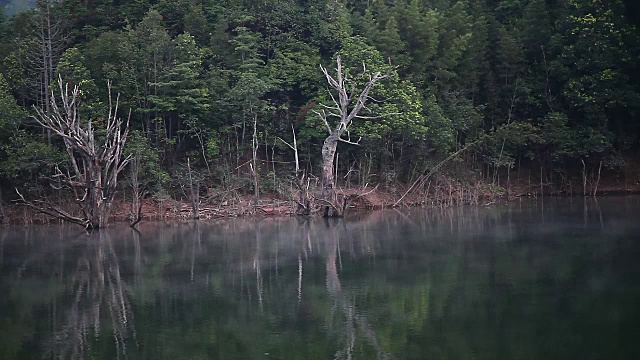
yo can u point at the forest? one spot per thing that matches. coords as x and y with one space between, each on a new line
215 100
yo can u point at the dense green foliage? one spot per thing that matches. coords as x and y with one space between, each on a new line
543 83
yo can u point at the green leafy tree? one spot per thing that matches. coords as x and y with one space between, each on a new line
536 29
441 133
454 40
25 160
595 49
72 69
391 45
396 99
294 67
182 89
10 113
328 23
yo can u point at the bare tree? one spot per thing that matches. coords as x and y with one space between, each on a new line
194 188
137 191
304 200
346 107
254 164
94 163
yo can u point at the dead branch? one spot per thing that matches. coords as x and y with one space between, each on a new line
49 209
423 178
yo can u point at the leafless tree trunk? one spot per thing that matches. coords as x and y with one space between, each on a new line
203 149
94 164
195 194
595 190
254 160
346 107
293 147
304 202
584 178
135 215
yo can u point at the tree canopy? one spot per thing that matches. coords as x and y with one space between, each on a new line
550 83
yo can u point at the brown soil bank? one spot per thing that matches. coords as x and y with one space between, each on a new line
438 192
443 193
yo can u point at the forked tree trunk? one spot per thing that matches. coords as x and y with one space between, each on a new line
346 107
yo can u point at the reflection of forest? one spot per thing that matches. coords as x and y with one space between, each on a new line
522 282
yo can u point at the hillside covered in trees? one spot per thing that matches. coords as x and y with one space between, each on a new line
218 88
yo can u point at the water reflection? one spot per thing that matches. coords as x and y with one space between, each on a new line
97 293
530 280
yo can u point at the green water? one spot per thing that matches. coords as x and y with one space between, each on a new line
532 280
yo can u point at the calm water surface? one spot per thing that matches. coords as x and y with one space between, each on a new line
532 280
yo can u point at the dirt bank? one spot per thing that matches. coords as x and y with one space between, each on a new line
440 192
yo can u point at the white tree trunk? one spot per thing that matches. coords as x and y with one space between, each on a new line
346 107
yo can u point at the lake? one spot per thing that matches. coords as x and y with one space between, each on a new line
551 279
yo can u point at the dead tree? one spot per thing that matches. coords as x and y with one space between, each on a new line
254 163
195 193
304 201
94 161
346 107
137 191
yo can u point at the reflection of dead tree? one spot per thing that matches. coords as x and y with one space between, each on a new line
258 268
98 292
137 257
353 319
306 250
299 279
2 239
196 242
94 163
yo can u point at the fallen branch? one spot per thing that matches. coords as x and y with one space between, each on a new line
353 198
51 210
423 178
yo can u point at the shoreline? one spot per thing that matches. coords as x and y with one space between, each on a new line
270 206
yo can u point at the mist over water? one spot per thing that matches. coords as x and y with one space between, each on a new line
552 279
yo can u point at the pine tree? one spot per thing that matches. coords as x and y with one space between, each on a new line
535 29
392 47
